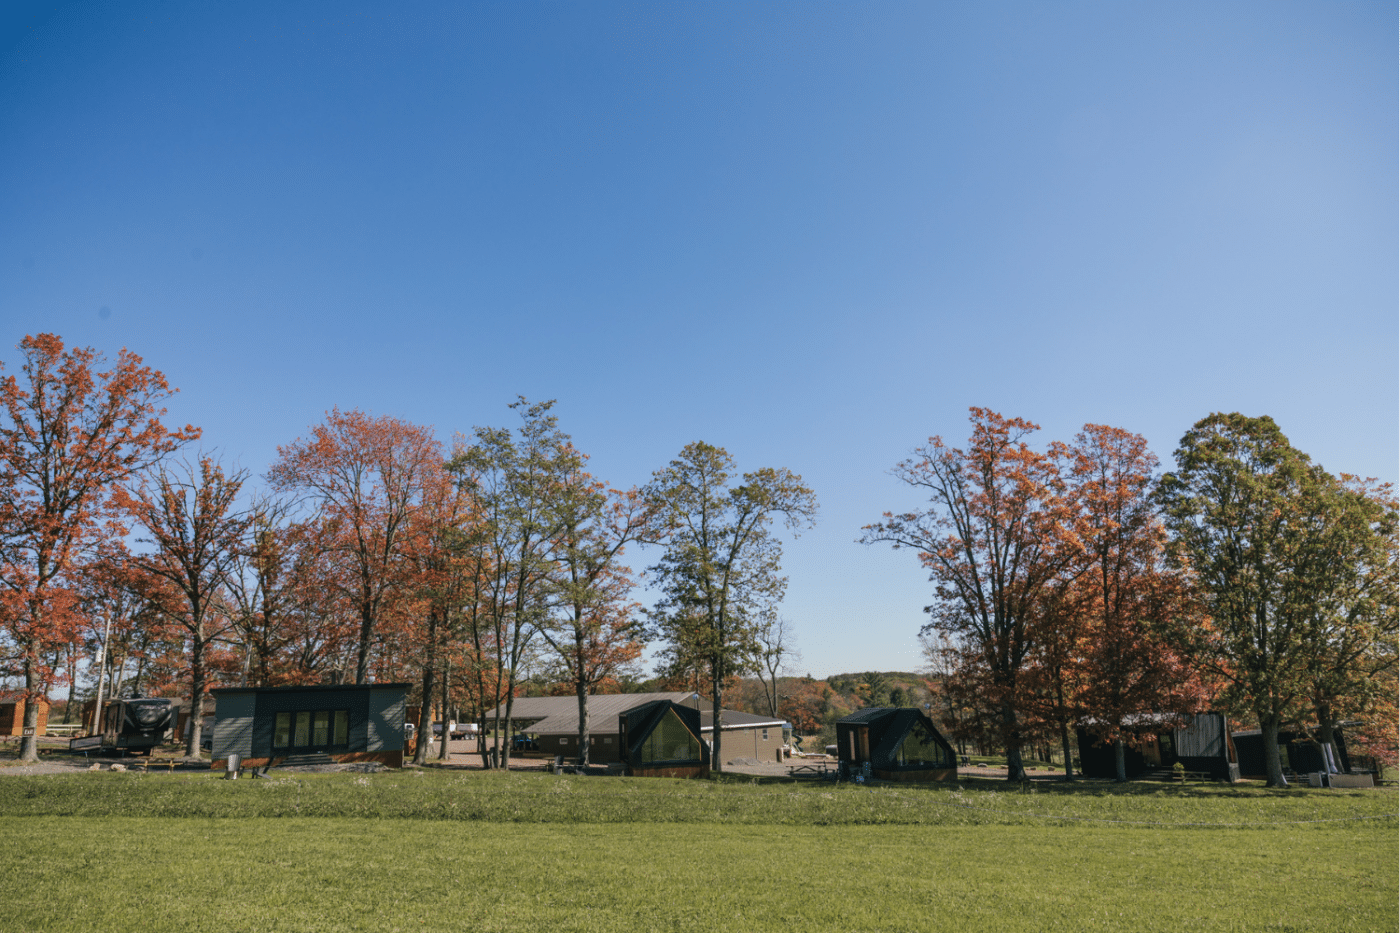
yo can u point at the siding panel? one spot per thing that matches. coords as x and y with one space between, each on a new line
385 721
233 725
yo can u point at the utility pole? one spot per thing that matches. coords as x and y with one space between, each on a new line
101 672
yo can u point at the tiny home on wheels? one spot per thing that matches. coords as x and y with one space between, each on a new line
132 725
339 723
894 744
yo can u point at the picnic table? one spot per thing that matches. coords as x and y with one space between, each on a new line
817 771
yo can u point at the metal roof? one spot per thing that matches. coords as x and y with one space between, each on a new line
559 715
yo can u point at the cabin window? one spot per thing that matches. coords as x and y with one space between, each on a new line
282 731
765 735
320 728
670 741
921 749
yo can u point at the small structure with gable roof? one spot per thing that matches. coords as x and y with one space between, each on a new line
895 744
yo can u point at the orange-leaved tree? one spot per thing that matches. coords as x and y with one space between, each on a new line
188 516
366 474
71 432
999 530
1132 604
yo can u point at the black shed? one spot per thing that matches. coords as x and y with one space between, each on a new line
898 744
1297 752
662 739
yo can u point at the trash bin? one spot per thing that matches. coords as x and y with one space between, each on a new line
235 761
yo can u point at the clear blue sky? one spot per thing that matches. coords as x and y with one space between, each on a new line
811 233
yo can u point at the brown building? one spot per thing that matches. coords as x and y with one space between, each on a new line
552 722
12 716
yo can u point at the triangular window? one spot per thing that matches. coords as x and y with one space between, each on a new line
670 741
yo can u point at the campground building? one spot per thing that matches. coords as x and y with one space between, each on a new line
328 723
1201 742
553 723
894 744
662 739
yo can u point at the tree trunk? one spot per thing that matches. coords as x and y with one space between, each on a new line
1268 725
1327 738
29 742
362 653
425 717
716 763
425 710
444 753
1015 767
72 684
1064 743
1120 762
581 689
197 682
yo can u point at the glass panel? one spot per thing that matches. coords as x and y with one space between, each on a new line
342 727
303 735
321 734
282 732
921 749
670 741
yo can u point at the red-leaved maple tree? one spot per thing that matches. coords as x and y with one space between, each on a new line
72 430
367 475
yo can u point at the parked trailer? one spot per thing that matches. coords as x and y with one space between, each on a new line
136 725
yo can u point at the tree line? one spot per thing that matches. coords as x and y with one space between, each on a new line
1078 584
372 552
1081 585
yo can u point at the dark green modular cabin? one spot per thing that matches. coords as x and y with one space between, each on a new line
894 744
1200 742
267 725
662 739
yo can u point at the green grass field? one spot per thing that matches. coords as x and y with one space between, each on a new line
472 851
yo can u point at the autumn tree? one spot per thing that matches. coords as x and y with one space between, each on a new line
1127 602
188 517
721 567
1255 522
71 431
515 479
777 650
440 569
1057 670
366 475
592 625
997 532
262 584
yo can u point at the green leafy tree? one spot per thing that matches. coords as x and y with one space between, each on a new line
720 571
518 480
592 625
1352 639
1259 526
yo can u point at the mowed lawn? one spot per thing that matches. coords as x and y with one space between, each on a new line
905 860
